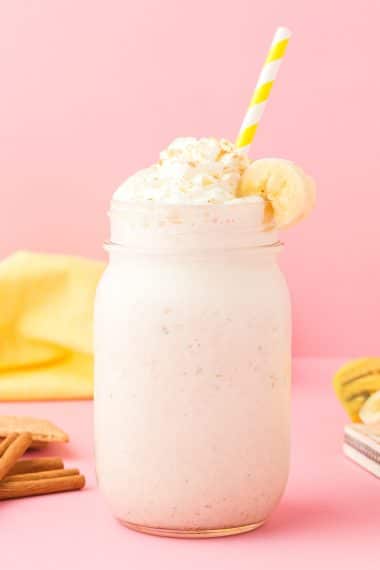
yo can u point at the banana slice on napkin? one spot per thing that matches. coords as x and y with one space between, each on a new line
370 411
354 383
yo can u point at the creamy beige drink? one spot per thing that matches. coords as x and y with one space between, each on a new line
192 343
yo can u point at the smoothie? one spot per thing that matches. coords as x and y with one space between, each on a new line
192 342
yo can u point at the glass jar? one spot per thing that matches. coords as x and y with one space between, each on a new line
192 369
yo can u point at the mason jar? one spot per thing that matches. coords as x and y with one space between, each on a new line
192 369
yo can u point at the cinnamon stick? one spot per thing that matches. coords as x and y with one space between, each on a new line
35 465
13 452
53 474
7 442
18 489
35 445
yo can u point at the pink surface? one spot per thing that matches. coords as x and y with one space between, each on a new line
92 90
330 514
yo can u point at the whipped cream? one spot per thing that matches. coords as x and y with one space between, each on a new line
190 171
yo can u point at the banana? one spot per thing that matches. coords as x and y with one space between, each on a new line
370 412
290 192
355 382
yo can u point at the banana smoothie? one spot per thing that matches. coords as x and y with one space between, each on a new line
193 341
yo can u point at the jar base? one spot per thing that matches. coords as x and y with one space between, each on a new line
193 533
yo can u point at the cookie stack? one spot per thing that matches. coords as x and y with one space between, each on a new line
37 476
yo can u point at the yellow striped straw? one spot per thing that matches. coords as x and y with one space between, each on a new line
263 88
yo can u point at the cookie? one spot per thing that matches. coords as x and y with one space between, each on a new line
362 445
43 431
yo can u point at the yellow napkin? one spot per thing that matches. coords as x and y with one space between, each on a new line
46 307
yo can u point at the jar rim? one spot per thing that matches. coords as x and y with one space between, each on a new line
247 202
256 213
192 226
274 247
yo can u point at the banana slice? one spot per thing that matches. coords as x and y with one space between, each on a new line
284 185
355 382
370 411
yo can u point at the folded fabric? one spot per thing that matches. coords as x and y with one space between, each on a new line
46 311
355 382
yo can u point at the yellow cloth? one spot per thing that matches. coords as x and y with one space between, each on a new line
46 308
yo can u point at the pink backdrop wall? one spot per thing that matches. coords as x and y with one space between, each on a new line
90 91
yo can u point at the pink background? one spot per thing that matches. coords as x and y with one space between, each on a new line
328 518
90 91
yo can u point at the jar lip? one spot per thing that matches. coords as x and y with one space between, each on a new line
273 247
149 206
255 212
185 226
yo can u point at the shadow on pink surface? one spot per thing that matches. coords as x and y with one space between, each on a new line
298 518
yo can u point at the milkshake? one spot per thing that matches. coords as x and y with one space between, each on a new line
192 341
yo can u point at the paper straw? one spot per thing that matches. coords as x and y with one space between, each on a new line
263 88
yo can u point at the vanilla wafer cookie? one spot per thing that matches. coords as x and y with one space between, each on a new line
42 431
362 445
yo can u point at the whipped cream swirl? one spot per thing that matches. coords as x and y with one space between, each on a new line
190 171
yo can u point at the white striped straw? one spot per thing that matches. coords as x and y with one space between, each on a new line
263 88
